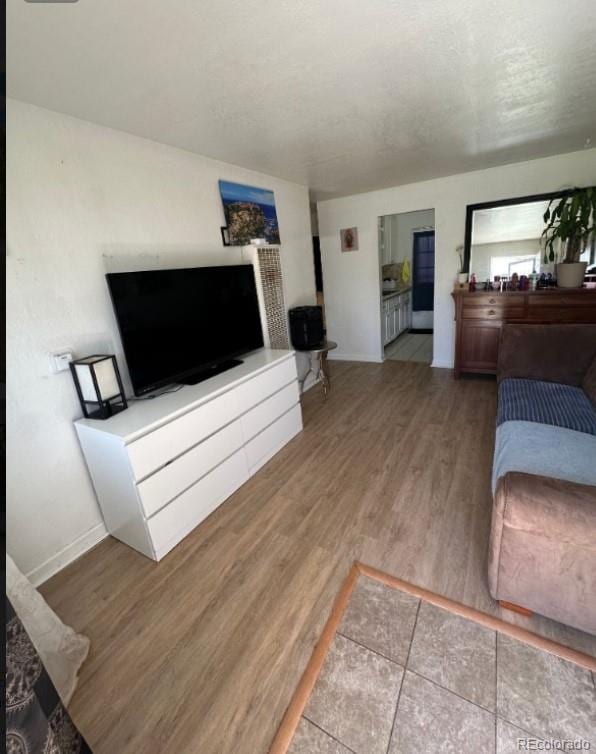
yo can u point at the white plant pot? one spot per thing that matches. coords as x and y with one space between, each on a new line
571 274
462 277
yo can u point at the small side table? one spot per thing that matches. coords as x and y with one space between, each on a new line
320 371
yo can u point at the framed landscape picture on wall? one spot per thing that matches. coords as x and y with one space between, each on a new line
250 213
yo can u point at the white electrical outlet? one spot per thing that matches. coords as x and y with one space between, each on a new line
60 361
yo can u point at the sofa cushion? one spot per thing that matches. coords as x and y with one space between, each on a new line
546 403
589 382
556 353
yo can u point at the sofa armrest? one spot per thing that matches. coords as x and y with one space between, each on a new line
555 353
542 551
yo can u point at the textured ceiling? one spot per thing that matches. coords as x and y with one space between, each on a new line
341 95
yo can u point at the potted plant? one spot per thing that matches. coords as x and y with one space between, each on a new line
462 277
571 223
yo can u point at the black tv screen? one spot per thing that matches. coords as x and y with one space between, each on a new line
177 323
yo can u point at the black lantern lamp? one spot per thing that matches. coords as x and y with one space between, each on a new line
99 386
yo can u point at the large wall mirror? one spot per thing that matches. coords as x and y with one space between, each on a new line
504 237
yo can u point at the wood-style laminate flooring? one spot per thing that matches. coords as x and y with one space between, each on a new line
411 347
202 652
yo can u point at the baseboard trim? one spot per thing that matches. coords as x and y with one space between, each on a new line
67 555
442 364
353 357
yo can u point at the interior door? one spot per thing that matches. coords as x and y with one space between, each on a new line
423 277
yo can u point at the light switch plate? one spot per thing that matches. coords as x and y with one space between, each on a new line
60 360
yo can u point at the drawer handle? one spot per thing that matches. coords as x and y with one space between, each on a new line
491 312
492 301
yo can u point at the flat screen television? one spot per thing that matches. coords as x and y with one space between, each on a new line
185 325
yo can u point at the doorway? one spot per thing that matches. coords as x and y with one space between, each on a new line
407 276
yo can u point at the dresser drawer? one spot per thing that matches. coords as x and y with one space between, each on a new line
566 300
269 410
159 447
493 312
491 299
176 520
159 488
256 390
562 314
260 449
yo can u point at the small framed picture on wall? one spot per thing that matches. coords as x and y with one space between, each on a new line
349 239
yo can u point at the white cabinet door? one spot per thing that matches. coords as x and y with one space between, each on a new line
390 319
387 320
385 243
407 311
395 317
404 313
403 324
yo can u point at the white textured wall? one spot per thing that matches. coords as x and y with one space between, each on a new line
83 199
352 280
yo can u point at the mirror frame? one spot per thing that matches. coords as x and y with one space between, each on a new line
471 208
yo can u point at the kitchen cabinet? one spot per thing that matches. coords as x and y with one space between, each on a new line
396 315
385 240
388 240
405 313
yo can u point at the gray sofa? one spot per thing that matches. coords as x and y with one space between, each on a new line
542 554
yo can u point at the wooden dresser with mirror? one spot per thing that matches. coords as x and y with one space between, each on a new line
504 242
480 315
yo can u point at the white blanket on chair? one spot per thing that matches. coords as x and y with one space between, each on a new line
61 649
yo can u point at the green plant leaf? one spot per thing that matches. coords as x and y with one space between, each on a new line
572 221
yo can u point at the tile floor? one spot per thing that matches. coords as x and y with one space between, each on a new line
403 676
411 347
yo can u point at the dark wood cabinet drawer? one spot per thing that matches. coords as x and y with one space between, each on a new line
564 300
562 314
492 312
493 299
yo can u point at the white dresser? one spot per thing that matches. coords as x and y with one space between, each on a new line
163 465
